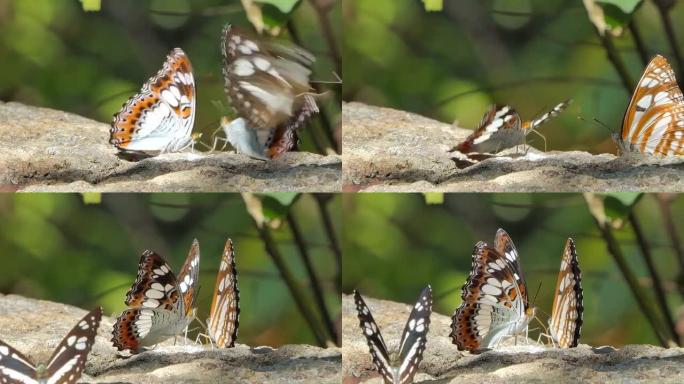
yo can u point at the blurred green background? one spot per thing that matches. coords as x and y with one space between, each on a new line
531 54
396 244
58 247
56 55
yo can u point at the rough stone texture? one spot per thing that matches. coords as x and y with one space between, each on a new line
35 328
532 363
396 151
48 150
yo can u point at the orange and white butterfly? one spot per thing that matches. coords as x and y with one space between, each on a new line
565 323
160 118
225 307
654 120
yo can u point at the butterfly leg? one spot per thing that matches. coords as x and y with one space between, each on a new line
540 135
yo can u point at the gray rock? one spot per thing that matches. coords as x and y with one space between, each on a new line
48 150
396 151
528 363
35 327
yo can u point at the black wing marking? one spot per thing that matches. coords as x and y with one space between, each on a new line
15 368
414 337
376 344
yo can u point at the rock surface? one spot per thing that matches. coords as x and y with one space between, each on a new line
35 328
396 151
48 150
532 363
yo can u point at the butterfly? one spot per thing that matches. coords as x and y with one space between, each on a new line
402 366
565 324
495 303
654 120
267 84
160 305
225 307
66 364
243 138
160 118
502 128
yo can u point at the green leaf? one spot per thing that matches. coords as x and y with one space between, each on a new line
626 6
433 5
92 198
277 204
284 6
619 204
432 198
91 5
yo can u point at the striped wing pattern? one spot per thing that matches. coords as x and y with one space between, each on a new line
188 277
66 364
161 116
495 303
501 128
565 324
654 120
267 84
156 308
225 308
401 367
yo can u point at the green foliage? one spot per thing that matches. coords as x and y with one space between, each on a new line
284 6
91 5
618 205
434 198
276 205
433 5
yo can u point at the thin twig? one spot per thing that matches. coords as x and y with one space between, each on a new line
614 58
664 201
322 200
639 42
315 283
657 283
596 208
663 9
272 250
323 13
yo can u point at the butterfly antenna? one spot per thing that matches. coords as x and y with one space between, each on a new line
598 122
534 299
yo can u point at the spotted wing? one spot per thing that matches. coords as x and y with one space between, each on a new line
284 137
414 337
494 300
654 120
505 247
265 82
543 118
154 291
159 118
68 361
15 368
225 307
188 278
500 128
156 284
565 324
376 344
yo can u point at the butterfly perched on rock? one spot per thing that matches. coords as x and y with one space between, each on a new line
565 323
267 84
160 118
502 128
66 364
654 120
398 367
495 303
159 304
224 315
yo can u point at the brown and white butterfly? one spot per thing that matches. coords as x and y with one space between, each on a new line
225 307
66 364
160 305
565 323
654 120
160 118
502 128
267 84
